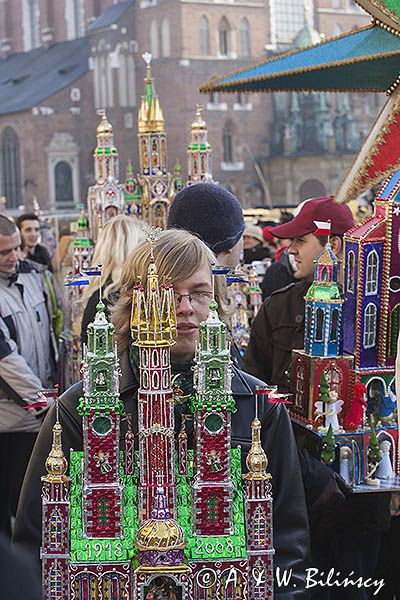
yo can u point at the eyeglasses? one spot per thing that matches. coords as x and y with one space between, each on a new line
195 298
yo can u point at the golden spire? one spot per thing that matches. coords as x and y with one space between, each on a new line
256 461
153 320
150 115
56 463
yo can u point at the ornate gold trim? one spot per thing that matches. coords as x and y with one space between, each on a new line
378 10
216 84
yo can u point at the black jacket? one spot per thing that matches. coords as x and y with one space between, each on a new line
291 536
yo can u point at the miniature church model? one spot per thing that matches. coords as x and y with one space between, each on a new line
164 521
323 343
106 197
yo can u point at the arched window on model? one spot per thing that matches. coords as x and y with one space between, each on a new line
63 183
10 168
165 38
372 273
153 32
224 37
227 140
351 271
320 323
55 583
370 323
334 325
245 37
204 36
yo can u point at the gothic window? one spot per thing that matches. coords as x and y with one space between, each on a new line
154 39
122 81
370 323
299 386
320 325
350 271
164 357
145 379
241 99
165 38
56 582
334 325
155 358
63 183
334 378
372 273
259 527
31 24
224 37
75 21
113 586
156 380
131 81
259 590
324 274
10 167
214 98
308 320
87 586
245 37
204 36
227 140
56 530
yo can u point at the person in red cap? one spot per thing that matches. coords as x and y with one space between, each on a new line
279 325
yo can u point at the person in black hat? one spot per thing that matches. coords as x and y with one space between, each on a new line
215 215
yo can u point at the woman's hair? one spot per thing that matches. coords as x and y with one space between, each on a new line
178 255
116 240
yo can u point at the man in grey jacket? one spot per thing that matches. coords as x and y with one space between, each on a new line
26 365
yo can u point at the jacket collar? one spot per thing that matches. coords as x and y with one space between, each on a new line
240 387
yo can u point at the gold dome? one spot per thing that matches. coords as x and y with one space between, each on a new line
56 463
257 461
104 127
199 123
161 532
165 534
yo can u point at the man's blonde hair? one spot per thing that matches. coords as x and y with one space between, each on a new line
178 255
116 240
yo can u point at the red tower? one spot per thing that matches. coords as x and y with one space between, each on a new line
56 512
101 408
153 329
214 403
260 550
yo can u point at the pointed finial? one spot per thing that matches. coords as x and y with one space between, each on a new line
256 461
56 463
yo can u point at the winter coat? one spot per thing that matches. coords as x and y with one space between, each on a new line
291 537
26 362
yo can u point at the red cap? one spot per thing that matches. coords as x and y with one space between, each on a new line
267 233
317 209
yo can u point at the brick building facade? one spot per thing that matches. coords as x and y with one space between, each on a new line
63 60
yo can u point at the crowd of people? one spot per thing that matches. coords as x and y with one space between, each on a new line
318 521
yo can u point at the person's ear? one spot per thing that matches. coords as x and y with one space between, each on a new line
336 245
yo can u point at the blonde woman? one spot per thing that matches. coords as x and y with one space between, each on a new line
118 237
186 261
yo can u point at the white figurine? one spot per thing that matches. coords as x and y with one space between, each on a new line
329 411
345 462
385 470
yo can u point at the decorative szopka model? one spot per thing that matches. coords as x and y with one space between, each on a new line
157 523
105 197
368 314
323 341
156 184
199 151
